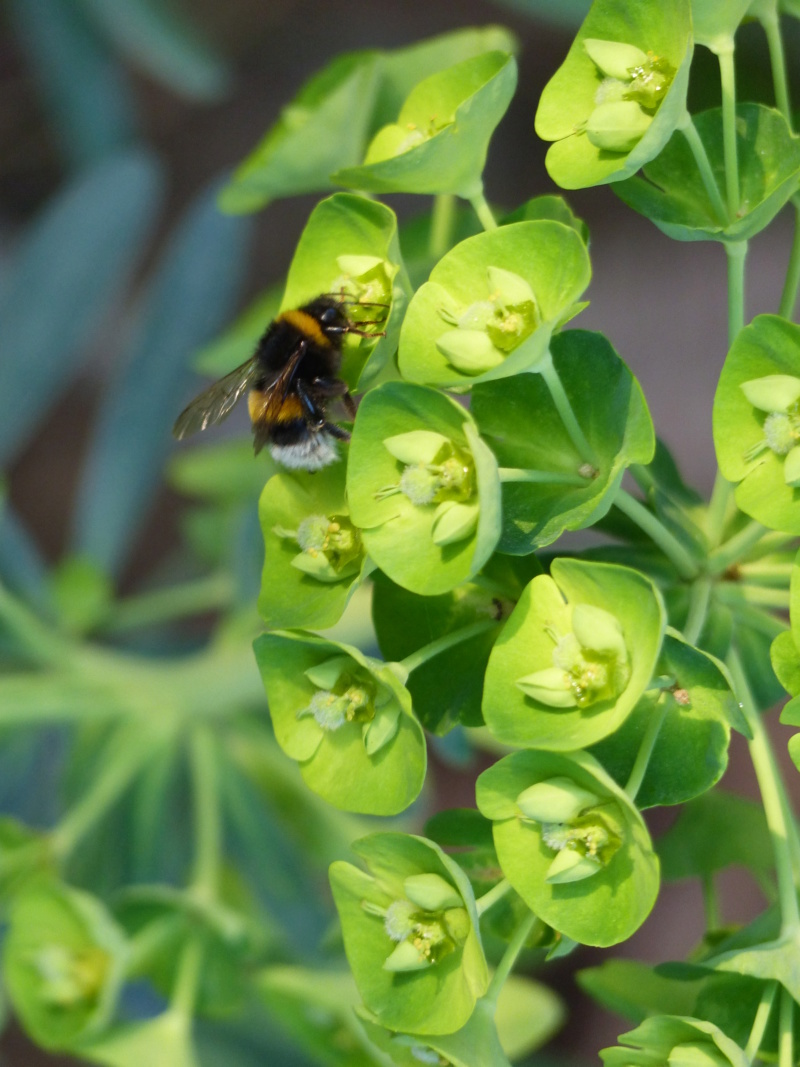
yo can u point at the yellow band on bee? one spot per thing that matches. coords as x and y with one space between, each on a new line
307 325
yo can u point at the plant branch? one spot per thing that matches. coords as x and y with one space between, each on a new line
698 150
441 227
669 544
770 22
547 369
736 252
699 599
509 957
519 474
792 283
760 1021
177 602
735 548
646 746
483 211
496 893
208 828
441 644
786 1030
727 74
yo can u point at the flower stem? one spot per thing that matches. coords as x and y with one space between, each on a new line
790 286
760 1021
509 957
497 892
187 980
772 794
786 1030
208 829
162 605
483 211
669 544
519 474
547 369
733 550
699 598
698 150
441 644
710 902
441 229
770 23
646 746
727 76
41 643
718 508
736 252
734 593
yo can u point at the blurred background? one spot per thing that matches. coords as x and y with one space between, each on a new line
187 90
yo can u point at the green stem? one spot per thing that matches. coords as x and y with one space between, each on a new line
519 474
767 574
509 957
736 252
772 790
443 218
496 893
122 761
710 902
669 544
483 211
208 827
772 29
547 369
755 618
735 548
441 644
646 746
187 981
718 509
790 286
786 1030
41 643
760 1021
178 602
698 150
727 74
734 593
699 598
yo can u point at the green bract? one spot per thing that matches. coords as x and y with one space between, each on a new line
691 751
586 868
619 94
673 1039
313 558
349 248
563 674
491 304
422 487
438 143
411 934
63 963
557 490
756 447
346 719
672 193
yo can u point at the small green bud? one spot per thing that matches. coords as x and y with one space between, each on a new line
599 630
406 957
326 675
509 288
380 730
570 865
555 800
791 468
549 686
416 446
470 351
475 317
613 58
454 522
457 924
358 265
431 892
617 127
774 392
780 433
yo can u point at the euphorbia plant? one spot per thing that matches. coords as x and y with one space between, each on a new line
597 682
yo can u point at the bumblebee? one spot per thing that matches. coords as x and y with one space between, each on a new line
290 379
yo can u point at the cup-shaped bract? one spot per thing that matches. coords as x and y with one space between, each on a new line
593 876
671 192
615 100
64 962
346 719
438 143
757 421
410 930
422 487
577 653
349 249
670 1039
492 303
313 554
519 420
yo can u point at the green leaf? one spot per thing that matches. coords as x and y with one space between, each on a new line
568 100
672 193
334 762
667 1039
323 129
527 644
397 532
714 24
785 660
691 750
83 87
549 256
164 1041
522 425
769 345
291 594
552 208
439 141
156 37
438 998
188 299
603 909
715 831
69 267
635 990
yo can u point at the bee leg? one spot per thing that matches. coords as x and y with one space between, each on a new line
336 431
316 417
335 387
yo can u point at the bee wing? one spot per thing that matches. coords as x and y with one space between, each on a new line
216 403
278 388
